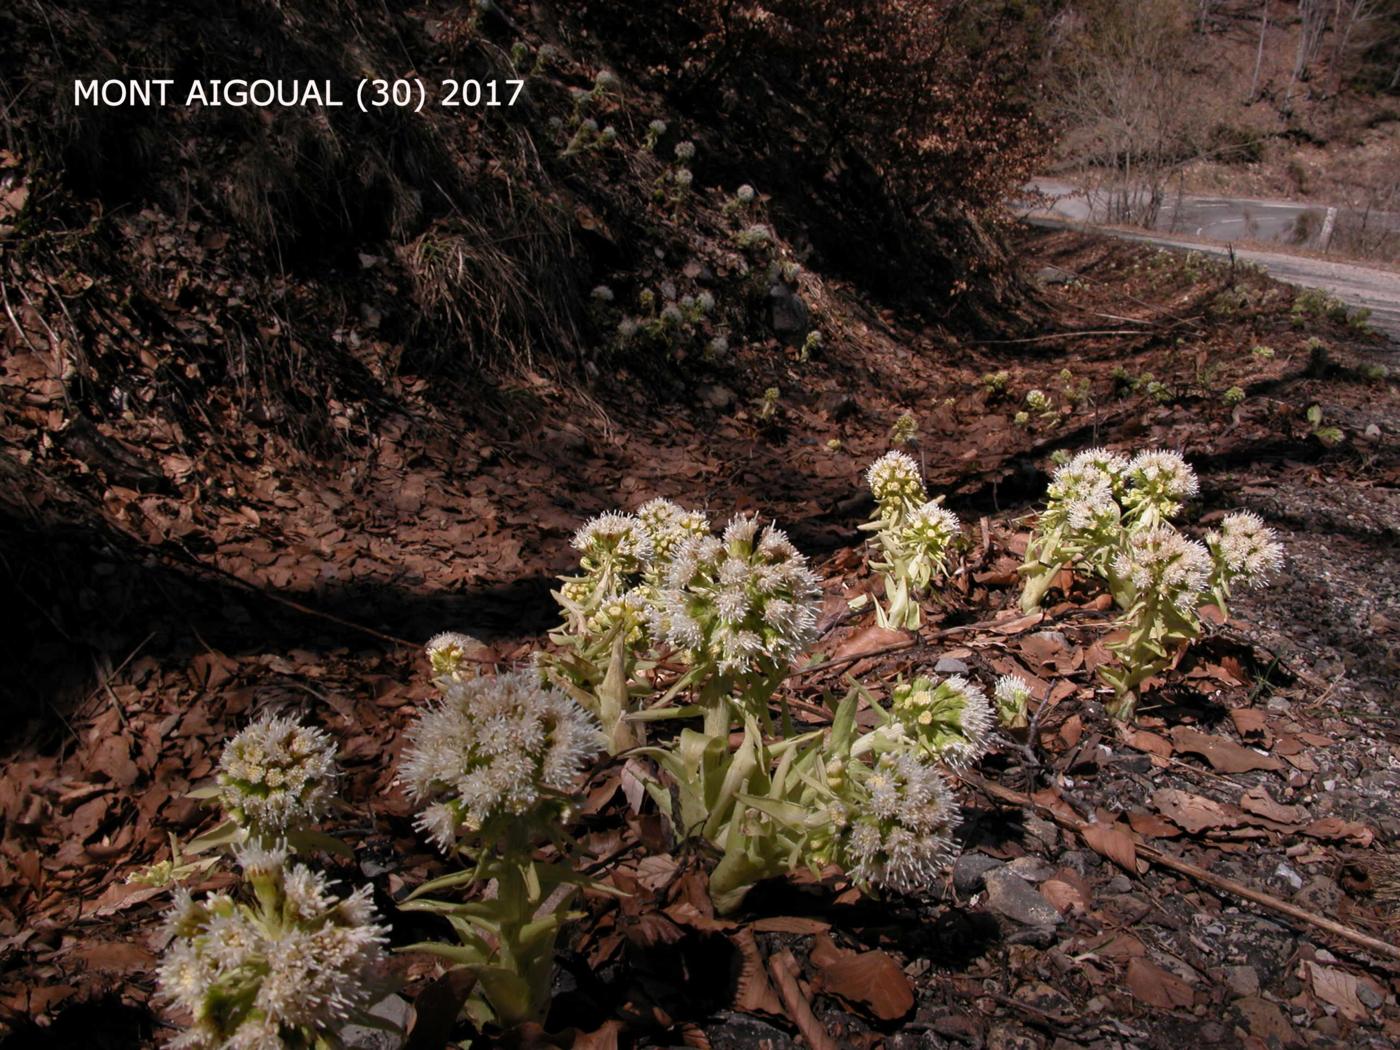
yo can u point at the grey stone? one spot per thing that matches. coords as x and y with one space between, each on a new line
970 870
1053 275
716 396
1012 896
1081 861
1032 869
391 1009
1369 996
1042 831
1319 894
947 665
1242 980
789 312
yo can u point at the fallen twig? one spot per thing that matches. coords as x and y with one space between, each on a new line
1219 882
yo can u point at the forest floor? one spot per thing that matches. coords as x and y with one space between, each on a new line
246 577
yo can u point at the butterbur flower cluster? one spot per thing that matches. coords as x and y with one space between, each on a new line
1012 694
1164 564
504 746
901 822
949 720
745 604
895 481
1158 482
1245 550
291 969
667 526
277 775
447 652
913 533
1111 517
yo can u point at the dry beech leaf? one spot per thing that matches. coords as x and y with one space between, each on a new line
1151 743
1338 988
1258 801
1335 829
873 980
1224 756
1193 813
754 994
870 640
1113 842
796 924
1154 986
1252 726
1150 825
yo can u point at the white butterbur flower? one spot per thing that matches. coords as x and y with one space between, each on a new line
448 649
494 747
1245 549
291 970
277 775
950 720
667 526
895 480
924 535
902 821
746 603
612 542
1161 562
1160 481
1012 694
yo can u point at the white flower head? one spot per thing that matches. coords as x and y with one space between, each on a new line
745 193
1012 694
277 775
928 529
1161 480
613 543
292 971
895 480
494 747
747 602
667 526
447 650
1163 562
902 818
685 151
1246 549
950 720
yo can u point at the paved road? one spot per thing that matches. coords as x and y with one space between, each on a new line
1376 290
1216 218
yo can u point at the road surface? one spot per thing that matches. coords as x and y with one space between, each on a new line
1357 286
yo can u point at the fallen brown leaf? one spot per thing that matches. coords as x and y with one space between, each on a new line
872 980
1224 756
1154 986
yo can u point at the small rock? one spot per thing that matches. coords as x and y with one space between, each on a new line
1081 861
1320 894
1242 980
1288 875
1119 884
392 1010
716 396
789 312
970 870
1033 936
1015 898
1032 869
1369 996
1042 831
947 665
